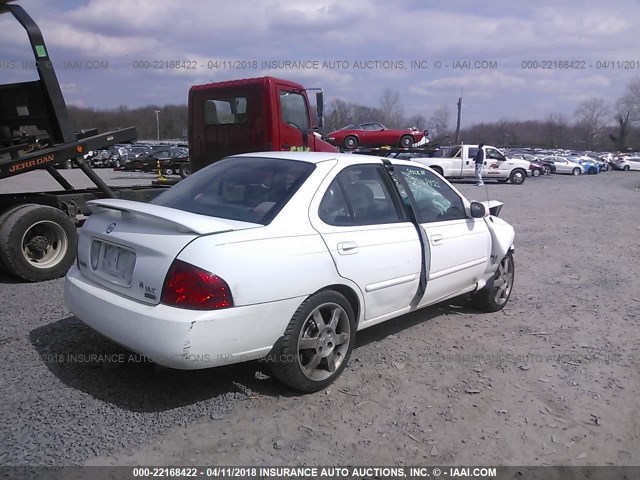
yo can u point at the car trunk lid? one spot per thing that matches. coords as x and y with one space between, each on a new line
128 247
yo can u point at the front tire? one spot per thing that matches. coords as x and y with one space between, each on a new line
626 168
406 141
495 294
317 343
575 172
517 177
536 172
37 242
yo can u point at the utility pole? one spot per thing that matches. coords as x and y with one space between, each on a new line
458 124
158 124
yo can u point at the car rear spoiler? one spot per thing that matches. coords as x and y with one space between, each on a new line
186 222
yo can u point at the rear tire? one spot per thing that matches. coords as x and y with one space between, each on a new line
536 172
438 170
317 343
350 142
576 171
184 171
626 168
495 294
37 242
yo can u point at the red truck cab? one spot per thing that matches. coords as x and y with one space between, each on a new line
251 115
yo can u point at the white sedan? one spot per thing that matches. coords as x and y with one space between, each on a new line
283 256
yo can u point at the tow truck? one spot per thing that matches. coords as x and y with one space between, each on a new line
38 234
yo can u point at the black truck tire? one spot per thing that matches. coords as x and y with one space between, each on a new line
3 217
37 242
184 171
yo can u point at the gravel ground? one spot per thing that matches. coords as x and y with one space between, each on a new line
552 379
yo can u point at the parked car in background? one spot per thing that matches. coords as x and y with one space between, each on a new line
373 135
547 162
215 270
626 163
535 166
564 165
590 166
170 160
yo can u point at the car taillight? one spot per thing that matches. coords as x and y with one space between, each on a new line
188 286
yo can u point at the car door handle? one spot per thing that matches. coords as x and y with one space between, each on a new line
347 248
437 239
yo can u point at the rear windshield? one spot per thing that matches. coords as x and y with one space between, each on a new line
247 189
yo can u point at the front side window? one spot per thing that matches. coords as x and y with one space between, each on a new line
248 189
359 195
294 110
436 201
494 154
225 111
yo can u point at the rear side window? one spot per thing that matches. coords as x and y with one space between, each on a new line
248 189
225 111
359 195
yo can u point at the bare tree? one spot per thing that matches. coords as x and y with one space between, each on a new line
555 129
591 117
391 109
417 121
439 121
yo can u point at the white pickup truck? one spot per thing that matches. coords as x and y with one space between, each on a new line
458 162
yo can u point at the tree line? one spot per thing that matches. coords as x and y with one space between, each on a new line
595 124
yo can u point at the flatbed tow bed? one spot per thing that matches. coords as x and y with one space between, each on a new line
38 236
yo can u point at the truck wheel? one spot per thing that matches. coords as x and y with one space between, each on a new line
406 141
350 142
185 171
3 217
517 177
167 171
438 170
37 242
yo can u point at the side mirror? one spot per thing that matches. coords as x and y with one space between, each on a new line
477 210
320 108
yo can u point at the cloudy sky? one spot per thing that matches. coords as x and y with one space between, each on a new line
367 45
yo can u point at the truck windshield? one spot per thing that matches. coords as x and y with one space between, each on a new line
247 189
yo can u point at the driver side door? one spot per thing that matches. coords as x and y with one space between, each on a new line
494 163
458 247
293 123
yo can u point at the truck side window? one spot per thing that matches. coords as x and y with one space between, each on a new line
494 154
293 107
436 201
225 111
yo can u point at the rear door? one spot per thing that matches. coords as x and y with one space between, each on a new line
372 243
293 120
468 161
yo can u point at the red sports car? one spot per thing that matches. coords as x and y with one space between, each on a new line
373 135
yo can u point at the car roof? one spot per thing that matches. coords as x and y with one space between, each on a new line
318 157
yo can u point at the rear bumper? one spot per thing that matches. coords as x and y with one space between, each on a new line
175 337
